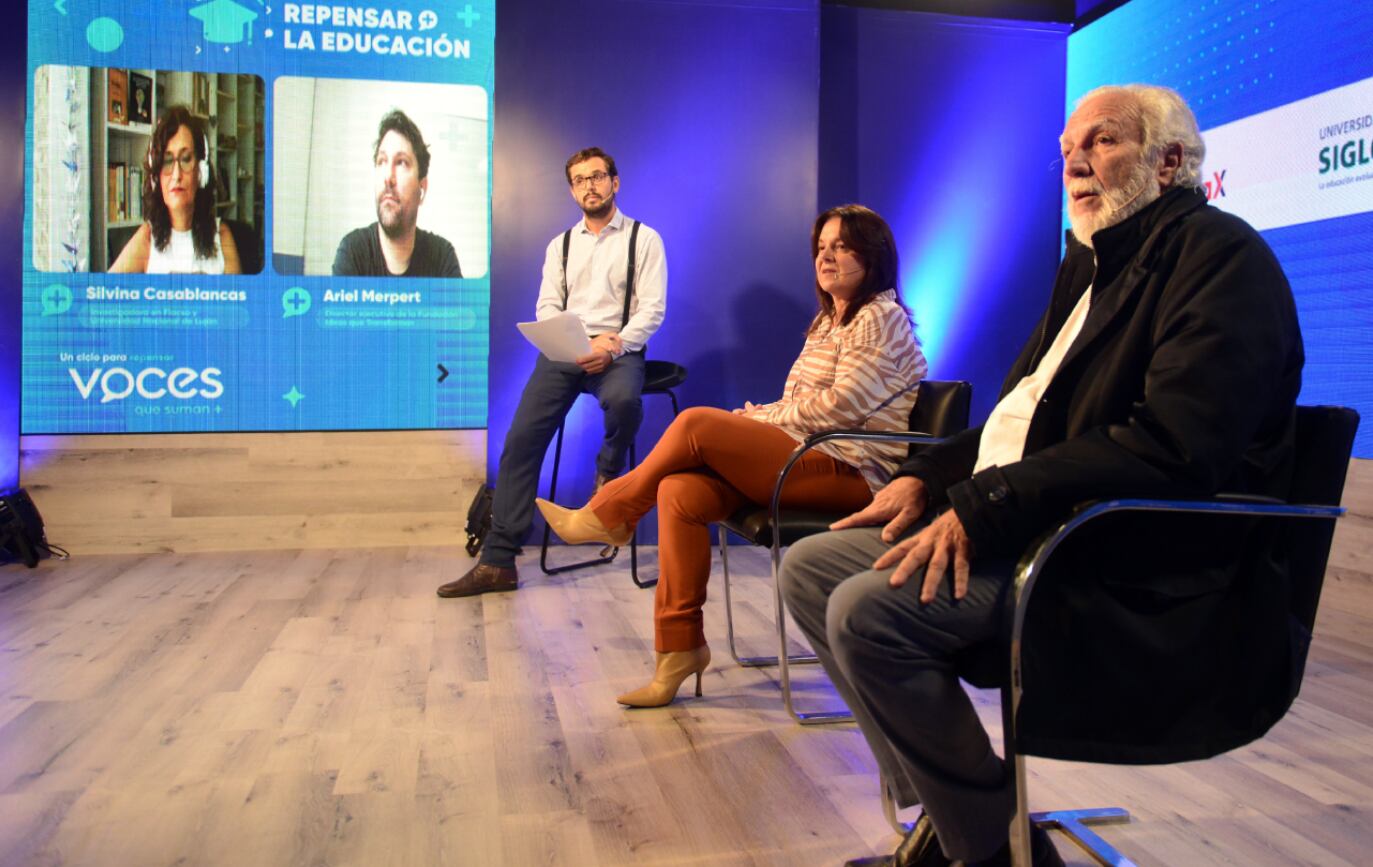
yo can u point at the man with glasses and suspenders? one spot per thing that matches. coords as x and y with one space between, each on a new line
611 272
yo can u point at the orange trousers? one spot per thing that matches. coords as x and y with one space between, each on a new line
708 464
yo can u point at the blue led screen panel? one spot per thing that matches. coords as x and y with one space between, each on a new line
244 215
1284 96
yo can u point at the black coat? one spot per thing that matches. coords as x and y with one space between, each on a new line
1182 383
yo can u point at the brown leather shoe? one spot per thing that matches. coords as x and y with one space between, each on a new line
482 578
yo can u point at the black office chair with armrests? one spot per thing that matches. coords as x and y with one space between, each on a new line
941 410
1302 527
660 377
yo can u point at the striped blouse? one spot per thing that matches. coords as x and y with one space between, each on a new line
861 375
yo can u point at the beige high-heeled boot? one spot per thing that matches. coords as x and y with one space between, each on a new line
575 526
674 667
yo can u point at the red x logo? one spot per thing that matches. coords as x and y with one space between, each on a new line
1216 188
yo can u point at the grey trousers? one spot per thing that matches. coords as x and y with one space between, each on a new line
890 658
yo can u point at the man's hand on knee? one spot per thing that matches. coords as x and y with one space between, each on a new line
941 544
900 504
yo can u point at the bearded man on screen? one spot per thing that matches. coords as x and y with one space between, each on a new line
395 246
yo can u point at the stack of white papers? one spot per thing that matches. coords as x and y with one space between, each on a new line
560 338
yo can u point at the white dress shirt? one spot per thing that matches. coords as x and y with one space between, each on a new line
1003 436
596 270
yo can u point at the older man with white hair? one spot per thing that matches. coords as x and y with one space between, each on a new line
1167 365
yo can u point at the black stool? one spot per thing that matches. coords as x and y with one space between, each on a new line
660 377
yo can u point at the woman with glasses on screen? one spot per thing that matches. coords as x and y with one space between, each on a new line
859 368
180 233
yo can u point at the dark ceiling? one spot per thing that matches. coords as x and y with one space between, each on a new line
1076 12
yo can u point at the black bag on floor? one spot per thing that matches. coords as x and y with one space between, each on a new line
479 518
21 529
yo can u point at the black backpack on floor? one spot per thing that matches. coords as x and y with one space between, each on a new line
479 518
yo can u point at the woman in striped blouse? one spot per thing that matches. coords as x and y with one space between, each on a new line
858 369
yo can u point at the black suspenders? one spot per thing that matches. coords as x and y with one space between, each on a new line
629 277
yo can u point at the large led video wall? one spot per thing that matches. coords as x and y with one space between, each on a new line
1284 95
247 215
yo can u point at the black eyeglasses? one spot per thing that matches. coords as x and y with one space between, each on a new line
597 178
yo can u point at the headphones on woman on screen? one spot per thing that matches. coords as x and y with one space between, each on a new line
202 171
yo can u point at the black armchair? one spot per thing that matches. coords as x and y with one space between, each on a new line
941 410
1302 529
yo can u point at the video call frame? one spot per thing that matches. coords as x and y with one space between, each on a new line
122 114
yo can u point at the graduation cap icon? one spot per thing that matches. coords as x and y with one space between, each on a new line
225 21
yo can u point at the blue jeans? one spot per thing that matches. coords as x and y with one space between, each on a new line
547 397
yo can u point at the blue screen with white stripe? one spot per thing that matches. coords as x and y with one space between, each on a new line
1283 93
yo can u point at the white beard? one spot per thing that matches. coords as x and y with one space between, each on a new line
1123 202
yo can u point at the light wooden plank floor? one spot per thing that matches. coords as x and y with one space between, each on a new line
325 708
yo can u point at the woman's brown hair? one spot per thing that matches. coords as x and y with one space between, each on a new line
204 232
870 238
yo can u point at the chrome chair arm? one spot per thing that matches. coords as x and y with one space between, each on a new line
895 436
775 515
1031 566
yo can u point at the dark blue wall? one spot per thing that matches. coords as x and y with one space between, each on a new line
710 112
11 237
949 128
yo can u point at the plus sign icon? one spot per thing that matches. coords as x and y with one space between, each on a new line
468 15
295 302
57 299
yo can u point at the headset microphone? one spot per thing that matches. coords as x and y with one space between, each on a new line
1125 204
1144 184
